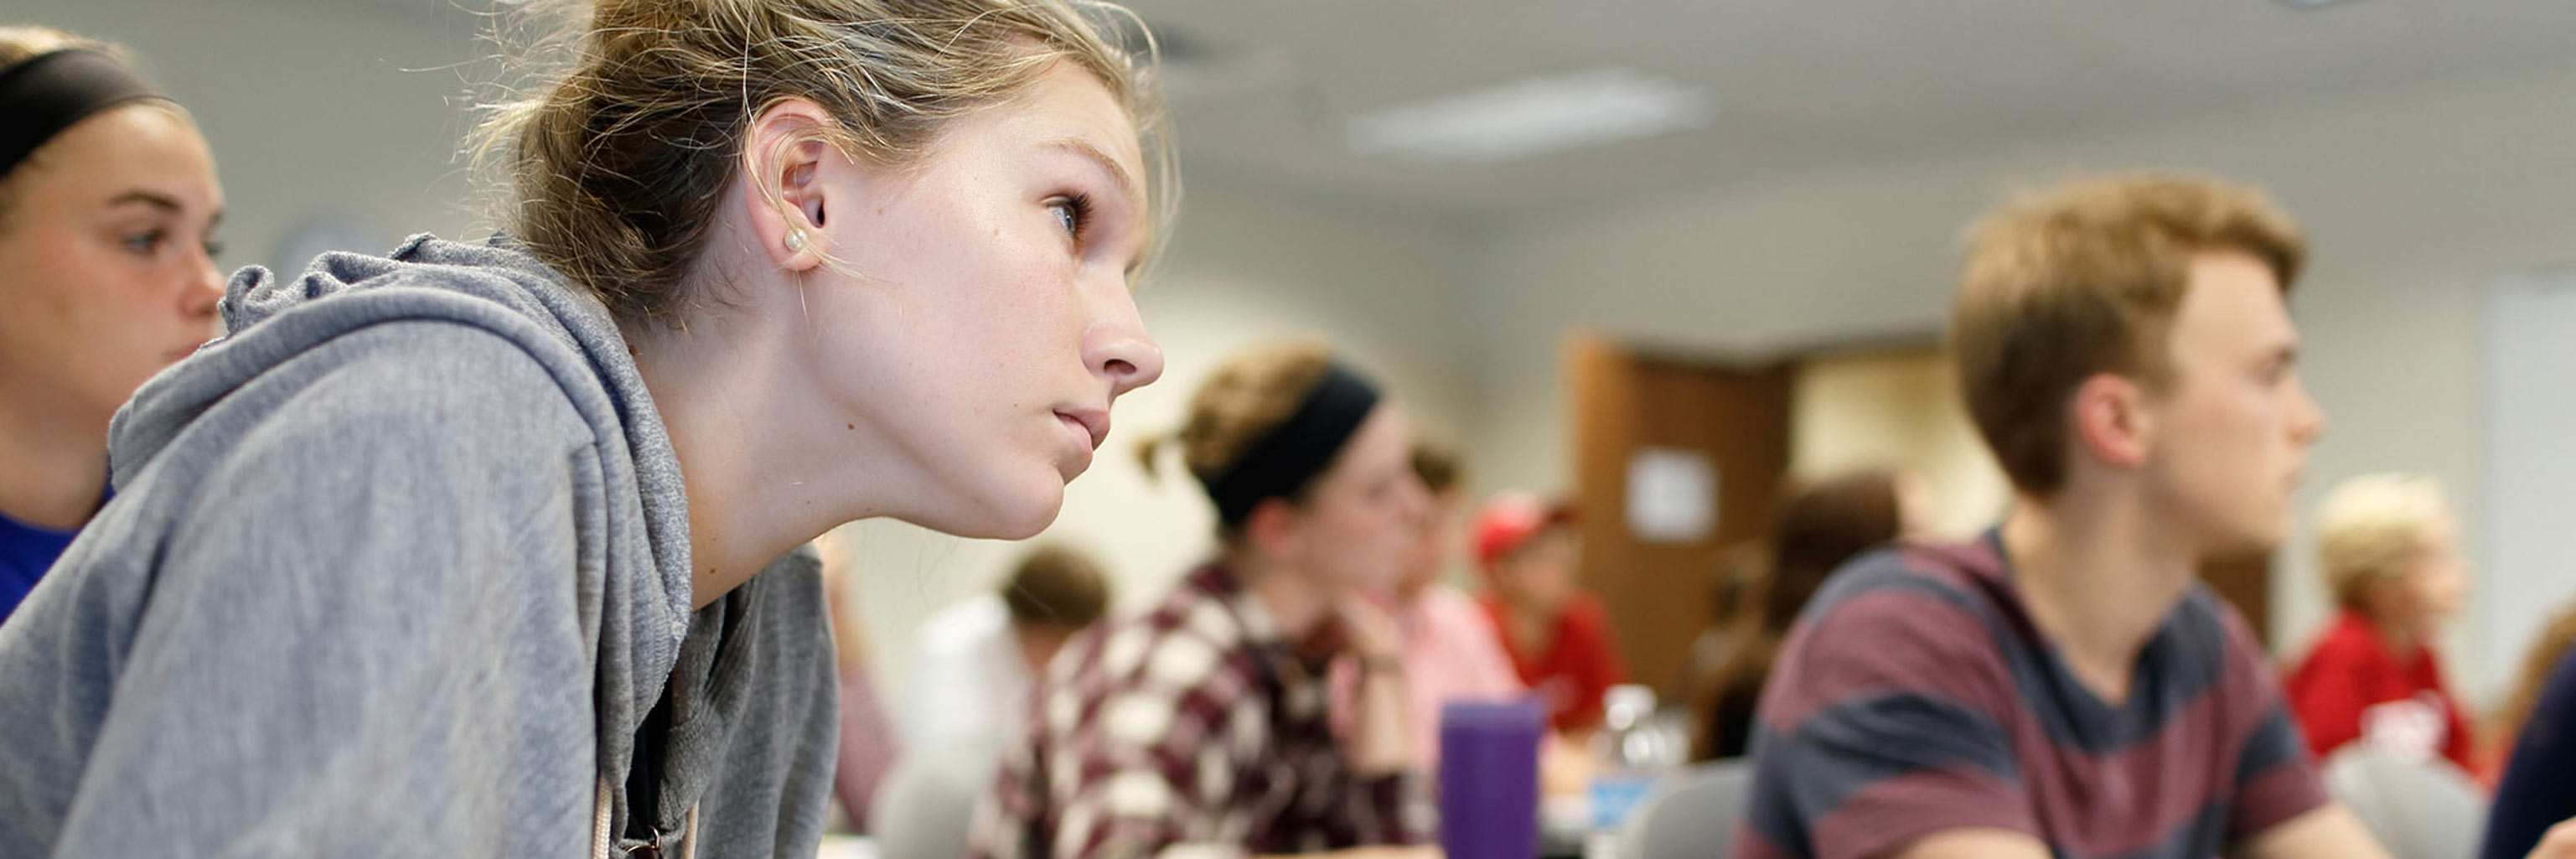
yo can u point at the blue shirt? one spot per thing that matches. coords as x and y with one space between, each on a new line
26 551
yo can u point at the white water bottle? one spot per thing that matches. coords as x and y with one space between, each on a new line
1632 751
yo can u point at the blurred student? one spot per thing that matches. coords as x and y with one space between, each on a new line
1451 652
974 662
1202 726
2535 795
2390 554
1821 526
1556 633
973 666
2506 723
868 745
108 208
2064 685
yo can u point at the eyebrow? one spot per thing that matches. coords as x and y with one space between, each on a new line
1117 174
163 202
154 199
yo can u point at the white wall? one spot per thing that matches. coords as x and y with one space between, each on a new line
2413 200
2529 366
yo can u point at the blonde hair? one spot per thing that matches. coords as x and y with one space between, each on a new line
2085 278
23 41
618 165
1249 395
2371 527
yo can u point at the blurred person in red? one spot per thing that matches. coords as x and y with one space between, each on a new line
1557 635
2390 554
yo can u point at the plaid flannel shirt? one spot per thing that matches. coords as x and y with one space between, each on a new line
1187 731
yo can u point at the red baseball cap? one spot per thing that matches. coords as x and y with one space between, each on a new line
1510 519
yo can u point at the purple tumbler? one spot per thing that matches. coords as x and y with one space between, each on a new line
1489 779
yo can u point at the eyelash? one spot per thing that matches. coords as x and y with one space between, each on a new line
148 242
145 243
1077 208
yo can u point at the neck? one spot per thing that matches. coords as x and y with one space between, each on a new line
737 421
2098 576
1038 645
1296 602
53 466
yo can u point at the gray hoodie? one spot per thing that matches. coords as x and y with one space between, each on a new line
396 569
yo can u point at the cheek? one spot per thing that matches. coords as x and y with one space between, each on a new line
1373 540
1012 311
2221 433
60 283
114 309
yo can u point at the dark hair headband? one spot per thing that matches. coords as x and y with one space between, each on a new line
44 94
1290 456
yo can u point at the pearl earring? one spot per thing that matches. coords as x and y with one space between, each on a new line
795 240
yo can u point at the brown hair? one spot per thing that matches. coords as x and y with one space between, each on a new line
2507 722
1056 586
618 167
1822 525
2085 278
1438 465
1249 395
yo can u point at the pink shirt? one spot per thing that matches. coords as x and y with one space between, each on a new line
1451 653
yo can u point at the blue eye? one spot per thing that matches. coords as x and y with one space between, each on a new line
1071 212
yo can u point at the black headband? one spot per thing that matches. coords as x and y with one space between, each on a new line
44 94
1290 456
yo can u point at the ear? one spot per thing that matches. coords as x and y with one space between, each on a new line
1272 527
2111 422
785 157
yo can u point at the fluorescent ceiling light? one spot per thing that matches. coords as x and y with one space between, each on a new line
1533 117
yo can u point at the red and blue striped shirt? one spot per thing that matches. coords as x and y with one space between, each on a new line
1916 696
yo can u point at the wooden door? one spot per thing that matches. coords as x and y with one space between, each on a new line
1624 402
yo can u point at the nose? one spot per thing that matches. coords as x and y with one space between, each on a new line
1116 347
2307 420
205 287
1417 504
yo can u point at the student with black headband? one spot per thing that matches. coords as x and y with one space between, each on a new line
1199 727
108 205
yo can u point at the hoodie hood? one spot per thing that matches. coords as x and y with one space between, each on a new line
497 287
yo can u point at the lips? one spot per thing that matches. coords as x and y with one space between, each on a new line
1092 424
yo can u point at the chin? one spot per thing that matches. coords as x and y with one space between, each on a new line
2260 540
1016 513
